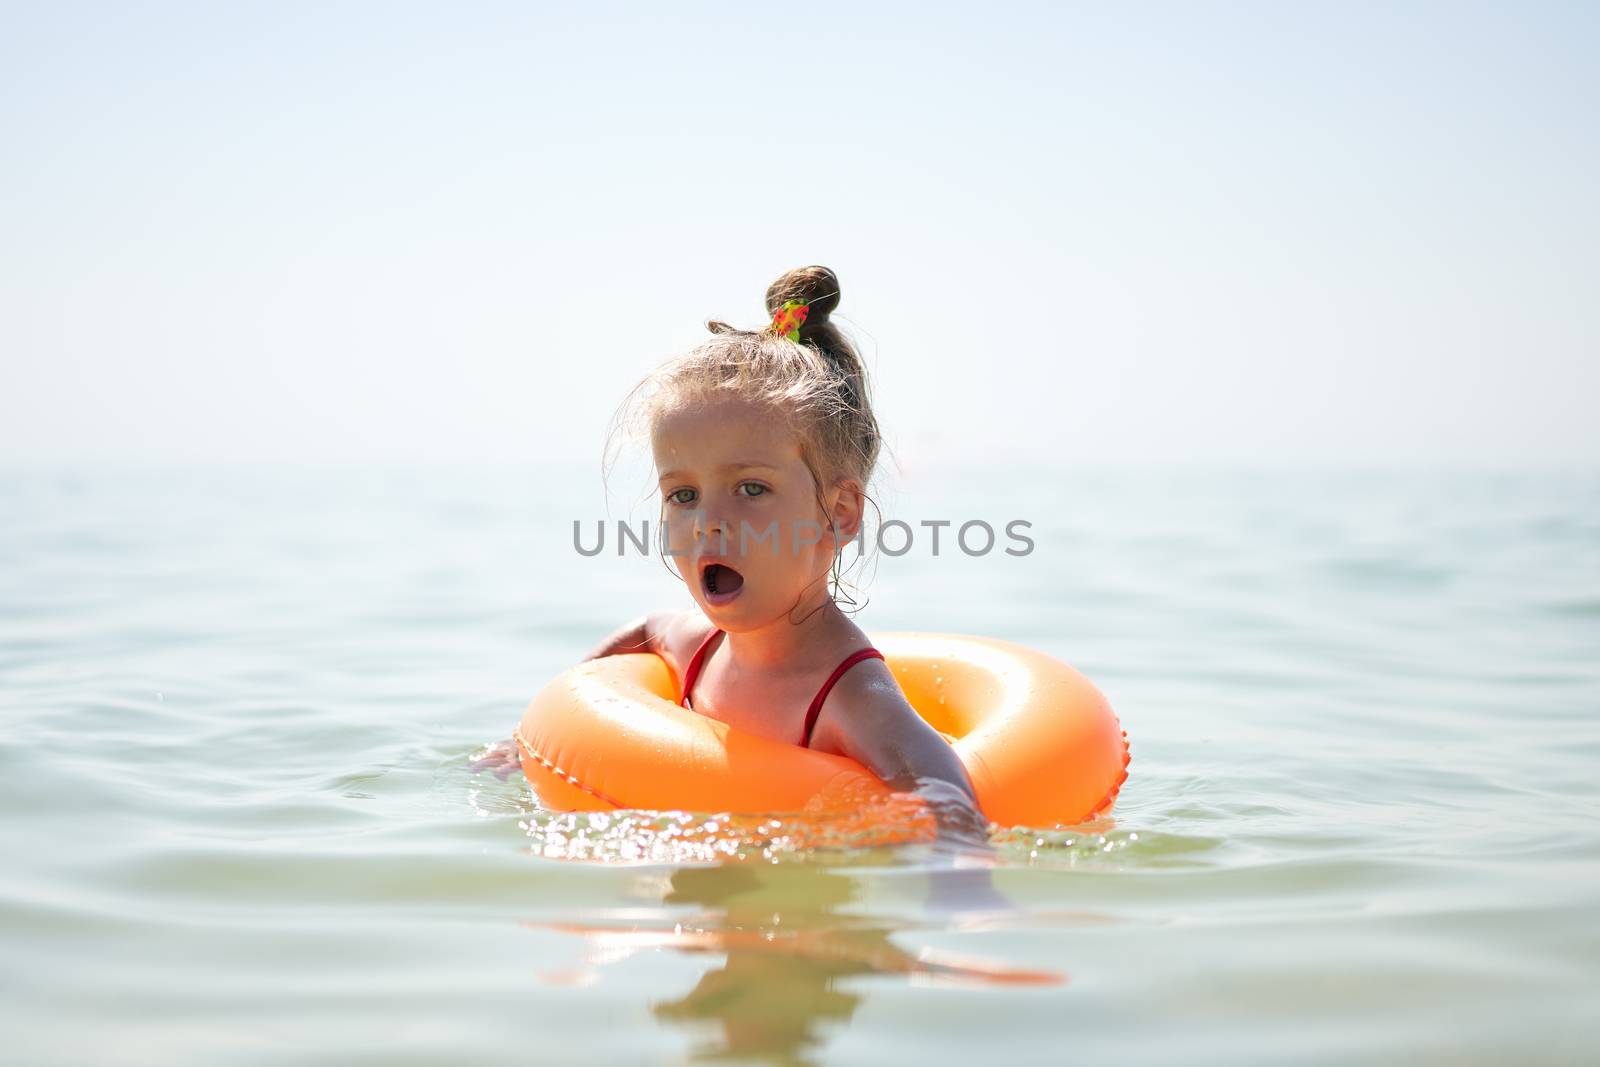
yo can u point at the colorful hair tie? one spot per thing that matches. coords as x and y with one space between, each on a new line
786 320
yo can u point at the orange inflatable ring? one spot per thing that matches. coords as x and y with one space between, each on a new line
1037 738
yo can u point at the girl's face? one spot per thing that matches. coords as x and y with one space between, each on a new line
740 512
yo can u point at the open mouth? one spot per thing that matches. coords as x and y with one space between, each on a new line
720 582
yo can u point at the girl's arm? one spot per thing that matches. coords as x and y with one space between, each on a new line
672 635
644 634
871 722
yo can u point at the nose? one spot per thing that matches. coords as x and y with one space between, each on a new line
708 526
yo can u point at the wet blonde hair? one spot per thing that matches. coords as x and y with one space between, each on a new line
817 384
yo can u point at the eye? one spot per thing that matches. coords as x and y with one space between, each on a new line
677 496
759 489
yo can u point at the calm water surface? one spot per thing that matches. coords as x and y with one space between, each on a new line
241 824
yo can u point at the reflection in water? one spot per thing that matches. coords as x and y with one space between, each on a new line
787 945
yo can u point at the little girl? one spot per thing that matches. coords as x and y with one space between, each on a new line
764 442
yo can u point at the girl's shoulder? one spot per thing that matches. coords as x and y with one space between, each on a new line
863 703
678 635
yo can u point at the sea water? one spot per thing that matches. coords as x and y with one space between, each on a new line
242 823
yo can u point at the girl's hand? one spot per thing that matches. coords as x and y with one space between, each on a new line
962 828
501 757
960 879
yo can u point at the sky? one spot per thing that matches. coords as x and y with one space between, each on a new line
1065 233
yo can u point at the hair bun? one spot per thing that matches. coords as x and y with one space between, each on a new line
815 286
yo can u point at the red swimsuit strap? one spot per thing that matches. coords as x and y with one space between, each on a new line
816 705
693 670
